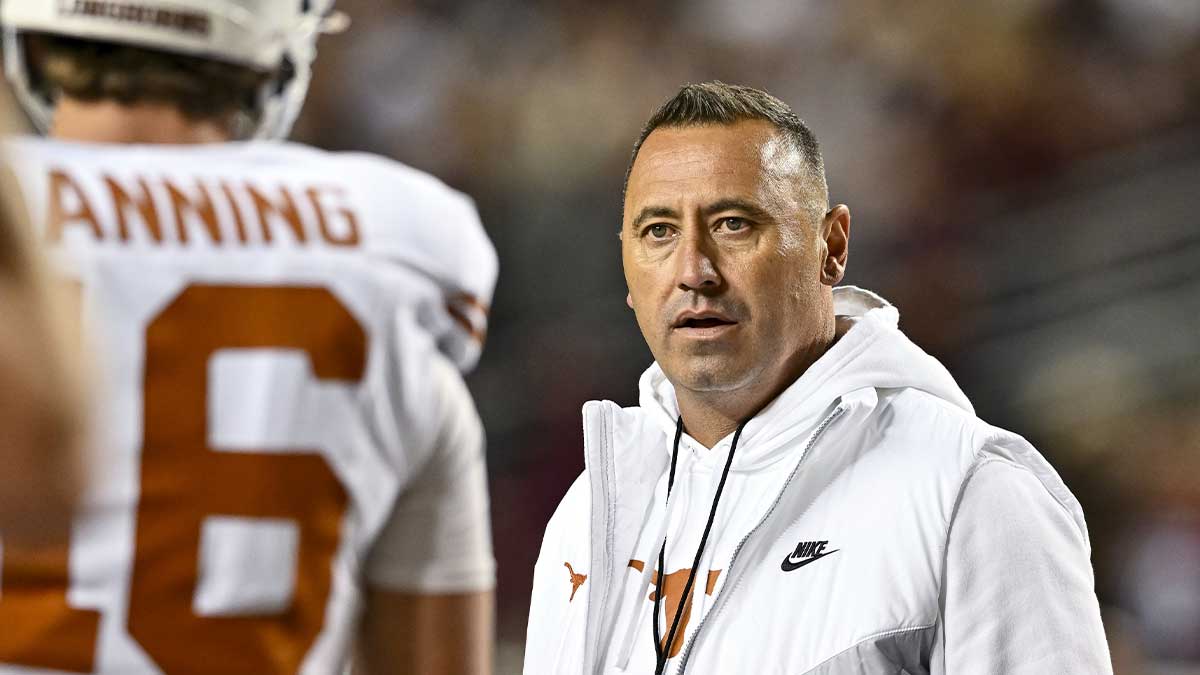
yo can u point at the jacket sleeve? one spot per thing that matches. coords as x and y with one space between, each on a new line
1018 596
558 604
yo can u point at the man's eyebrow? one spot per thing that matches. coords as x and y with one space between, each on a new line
653 212
733 204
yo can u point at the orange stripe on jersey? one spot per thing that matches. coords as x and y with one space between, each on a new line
471 301
477 334
454 306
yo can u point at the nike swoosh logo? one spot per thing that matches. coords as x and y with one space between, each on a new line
789 564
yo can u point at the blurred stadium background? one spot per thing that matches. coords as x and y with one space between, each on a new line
1025 182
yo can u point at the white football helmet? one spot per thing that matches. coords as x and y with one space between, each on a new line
267 35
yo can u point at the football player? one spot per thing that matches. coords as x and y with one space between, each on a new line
292 472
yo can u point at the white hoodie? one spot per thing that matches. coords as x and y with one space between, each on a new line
870 523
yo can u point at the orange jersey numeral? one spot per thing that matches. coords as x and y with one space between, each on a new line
183 481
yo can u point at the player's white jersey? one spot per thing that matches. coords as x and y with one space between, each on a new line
283 423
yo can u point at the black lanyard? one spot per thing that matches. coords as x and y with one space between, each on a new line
661 651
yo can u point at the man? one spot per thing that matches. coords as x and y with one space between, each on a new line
802 489
286 442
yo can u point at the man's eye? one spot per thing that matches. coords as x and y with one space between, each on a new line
733 224
659 231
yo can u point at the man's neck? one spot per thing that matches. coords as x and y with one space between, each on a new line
112 122
709 416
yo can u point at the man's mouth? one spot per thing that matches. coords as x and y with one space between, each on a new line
710 322
702 324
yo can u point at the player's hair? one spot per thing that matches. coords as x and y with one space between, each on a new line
202 89
718 103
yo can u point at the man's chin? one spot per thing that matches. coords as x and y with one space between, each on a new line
708 378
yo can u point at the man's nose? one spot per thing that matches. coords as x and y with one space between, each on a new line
697 265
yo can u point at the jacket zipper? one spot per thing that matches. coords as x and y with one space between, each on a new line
600 579
724 599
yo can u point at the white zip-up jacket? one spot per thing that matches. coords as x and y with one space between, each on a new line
870 523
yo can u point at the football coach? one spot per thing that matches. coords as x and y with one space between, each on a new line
801 489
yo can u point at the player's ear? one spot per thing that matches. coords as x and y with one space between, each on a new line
629 300
835 230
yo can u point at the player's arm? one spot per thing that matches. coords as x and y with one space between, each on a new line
40 395
1018 593
429 604
432 633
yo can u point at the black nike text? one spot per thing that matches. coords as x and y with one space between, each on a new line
806 552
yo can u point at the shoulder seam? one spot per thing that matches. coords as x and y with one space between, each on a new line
1023 451
962 486
979 463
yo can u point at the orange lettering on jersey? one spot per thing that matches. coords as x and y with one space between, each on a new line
350 235
269 210
68 206
201 208
238 222
673 594
143 202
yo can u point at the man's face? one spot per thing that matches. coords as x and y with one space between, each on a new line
723 256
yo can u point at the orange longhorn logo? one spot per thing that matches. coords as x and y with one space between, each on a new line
576 580
673 593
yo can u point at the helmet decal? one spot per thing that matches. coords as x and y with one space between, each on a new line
180 19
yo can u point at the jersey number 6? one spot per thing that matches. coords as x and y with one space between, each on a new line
183 481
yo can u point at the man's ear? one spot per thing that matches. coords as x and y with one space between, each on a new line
836 232
629 300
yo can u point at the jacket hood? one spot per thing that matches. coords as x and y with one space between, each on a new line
871 352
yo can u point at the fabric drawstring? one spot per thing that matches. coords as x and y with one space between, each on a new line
663 651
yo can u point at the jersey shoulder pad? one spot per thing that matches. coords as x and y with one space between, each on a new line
415 220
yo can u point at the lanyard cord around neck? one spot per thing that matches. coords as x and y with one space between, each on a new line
662 651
